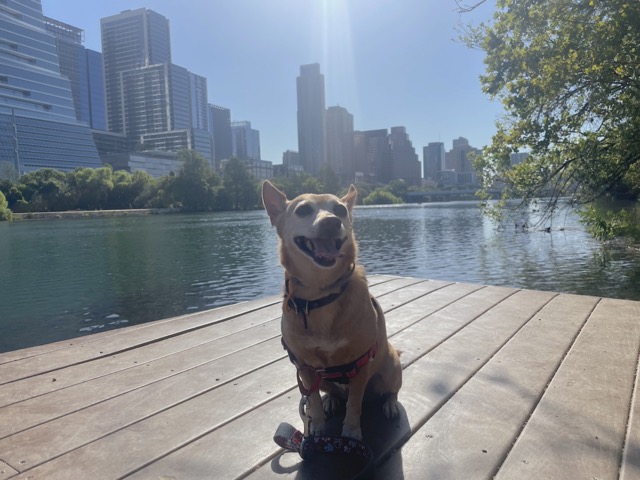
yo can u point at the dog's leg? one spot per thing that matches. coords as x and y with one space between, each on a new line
315 403
357 386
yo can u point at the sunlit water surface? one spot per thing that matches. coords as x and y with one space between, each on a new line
65 278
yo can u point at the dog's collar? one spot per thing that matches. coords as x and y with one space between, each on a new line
304 306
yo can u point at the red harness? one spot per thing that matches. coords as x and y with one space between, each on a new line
338 374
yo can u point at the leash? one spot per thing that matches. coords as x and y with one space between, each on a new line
312 446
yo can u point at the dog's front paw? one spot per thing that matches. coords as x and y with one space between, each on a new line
332 405
317 427
391 408
352 432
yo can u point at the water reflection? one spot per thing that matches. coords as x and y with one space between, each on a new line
61 279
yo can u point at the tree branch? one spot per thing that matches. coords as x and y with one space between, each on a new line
465 8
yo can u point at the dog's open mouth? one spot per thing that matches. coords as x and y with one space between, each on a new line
323 251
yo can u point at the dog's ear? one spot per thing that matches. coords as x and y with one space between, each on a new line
275 202
350 197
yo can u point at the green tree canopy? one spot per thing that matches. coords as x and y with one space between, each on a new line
194 185
568 75
240 185
5 213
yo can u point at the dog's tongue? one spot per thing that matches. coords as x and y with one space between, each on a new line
326 248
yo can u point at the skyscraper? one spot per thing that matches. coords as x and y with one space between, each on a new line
130 40
158 105
220 128
84 69
457 159
372 155
246 142
433 160
38 124
339 143
311 117
406 165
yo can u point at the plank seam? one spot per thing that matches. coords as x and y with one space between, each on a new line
138 420
420 423
632 402
517 435
160 380
89 339
138 345
211 430
138 364
459 329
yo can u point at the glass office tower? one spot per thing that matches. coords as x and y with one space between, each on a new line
311 118
38 125
130 40
84 69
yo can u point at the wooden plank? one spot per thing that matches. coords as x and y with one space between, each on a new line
29 413
6 471
207 456
416 342
190 320
470 435
254 324
630 469
578 428
124 340
404 316
170 413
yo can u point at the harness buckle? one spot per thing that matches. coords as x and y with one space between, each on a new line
303 409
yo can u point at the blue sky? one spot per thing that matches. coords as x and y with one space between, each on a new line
389 62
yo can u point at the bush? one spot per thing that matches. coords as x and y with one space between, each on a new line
5 213
381 196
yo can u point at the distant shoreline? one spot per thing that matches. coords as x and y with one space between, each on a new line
137 212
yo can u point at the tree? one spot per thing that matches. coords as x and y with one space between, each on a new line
193 186
381 196
328 179
567 74
9 172
239 185
5 213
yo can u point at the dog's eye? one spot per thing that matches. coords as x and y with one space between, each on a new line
340 210
304 210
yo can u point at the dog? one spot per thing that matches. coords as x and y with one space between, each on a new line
332 328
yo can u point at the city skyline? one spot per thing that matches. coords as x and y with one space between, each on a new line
382 86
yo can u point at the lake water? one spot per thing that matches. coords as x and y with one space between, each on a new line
61 279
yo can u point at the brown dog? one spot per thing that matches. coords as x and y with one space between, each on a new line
333 329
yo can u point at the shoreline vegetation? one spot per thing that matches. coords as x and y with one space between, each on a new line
87 192
73 214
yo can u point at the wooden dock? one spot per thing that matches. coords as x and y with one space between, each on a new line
498 382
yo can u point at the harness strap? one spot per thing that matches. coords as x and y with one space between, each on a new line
339 374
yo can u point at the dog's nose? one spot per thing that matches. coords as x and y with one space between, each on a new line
329 225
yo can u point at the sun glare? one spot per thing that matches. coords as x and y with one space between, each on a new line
338 63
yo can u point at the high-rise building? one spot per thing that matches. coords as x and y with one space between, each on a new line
130 40
246 142
372 156
457 159
38 124
339 143
220 128
198 102
157 104
433 161
404 160
311 117
84 69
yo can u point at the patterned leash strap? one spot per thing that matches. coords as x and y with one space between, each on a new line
309 447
